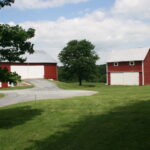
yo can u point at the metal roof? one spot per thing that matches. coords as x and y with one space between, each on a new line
134 54
39 57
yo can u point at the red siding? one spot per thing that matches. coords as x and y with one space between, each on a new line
109 79
50 68
5 66
50 71
125 67
147 69
5 85
140 79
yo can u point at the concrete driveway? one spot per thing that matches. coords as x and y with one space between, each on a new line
43 90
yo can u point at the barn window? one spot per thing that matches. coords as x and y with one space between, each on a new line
116 64
131 63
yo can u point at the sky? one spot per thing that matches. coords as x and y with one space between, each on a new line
109 24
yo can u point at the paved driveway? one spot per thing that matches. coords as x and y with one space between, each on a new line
43 90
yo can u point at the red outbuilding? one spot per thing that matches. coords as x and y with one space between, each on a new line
129 67
38 65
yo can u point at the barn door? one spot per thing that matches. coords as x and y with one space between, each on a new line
29 71
125 78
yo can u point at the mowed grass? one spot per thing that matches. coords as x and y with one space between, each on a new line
117 118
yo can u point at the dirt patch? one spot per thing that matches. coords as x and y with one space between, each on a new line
23 83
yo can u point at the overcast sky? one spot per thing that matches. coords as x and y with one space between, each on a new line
108 24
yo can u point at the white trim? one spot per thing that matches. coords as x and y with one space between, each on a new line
143 79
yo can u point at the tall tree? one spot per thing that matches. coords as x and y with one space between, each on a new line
14 43
79 59
6 3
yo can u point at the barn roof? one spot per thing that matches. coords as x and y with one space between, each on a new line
134 54
39 57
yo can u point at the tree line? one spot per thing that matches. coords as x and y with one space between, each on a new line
100 75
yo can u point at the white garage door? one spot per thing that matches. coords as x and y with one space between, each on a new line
125 78
29 72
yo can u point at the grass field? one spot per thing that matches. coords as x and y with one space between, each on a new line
117 118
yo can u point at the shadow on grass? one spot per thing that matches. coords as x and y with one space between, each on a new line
124 128
12 117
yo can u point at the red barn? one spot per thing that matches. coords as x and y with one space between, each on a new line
129 67
37 65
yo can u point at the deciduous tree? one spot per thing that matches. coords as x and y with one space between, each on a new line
14 43
6 3
79 59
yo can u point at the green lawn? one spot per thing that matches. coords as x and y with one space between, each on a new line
117 118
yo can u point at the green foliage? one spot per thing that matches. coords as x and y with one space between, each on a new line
103 78
99 76
14 43
6 3
101 69
11 77
101 73
79 60
62 74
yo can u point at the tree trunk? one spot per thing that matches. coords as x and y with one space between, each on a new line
80 81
